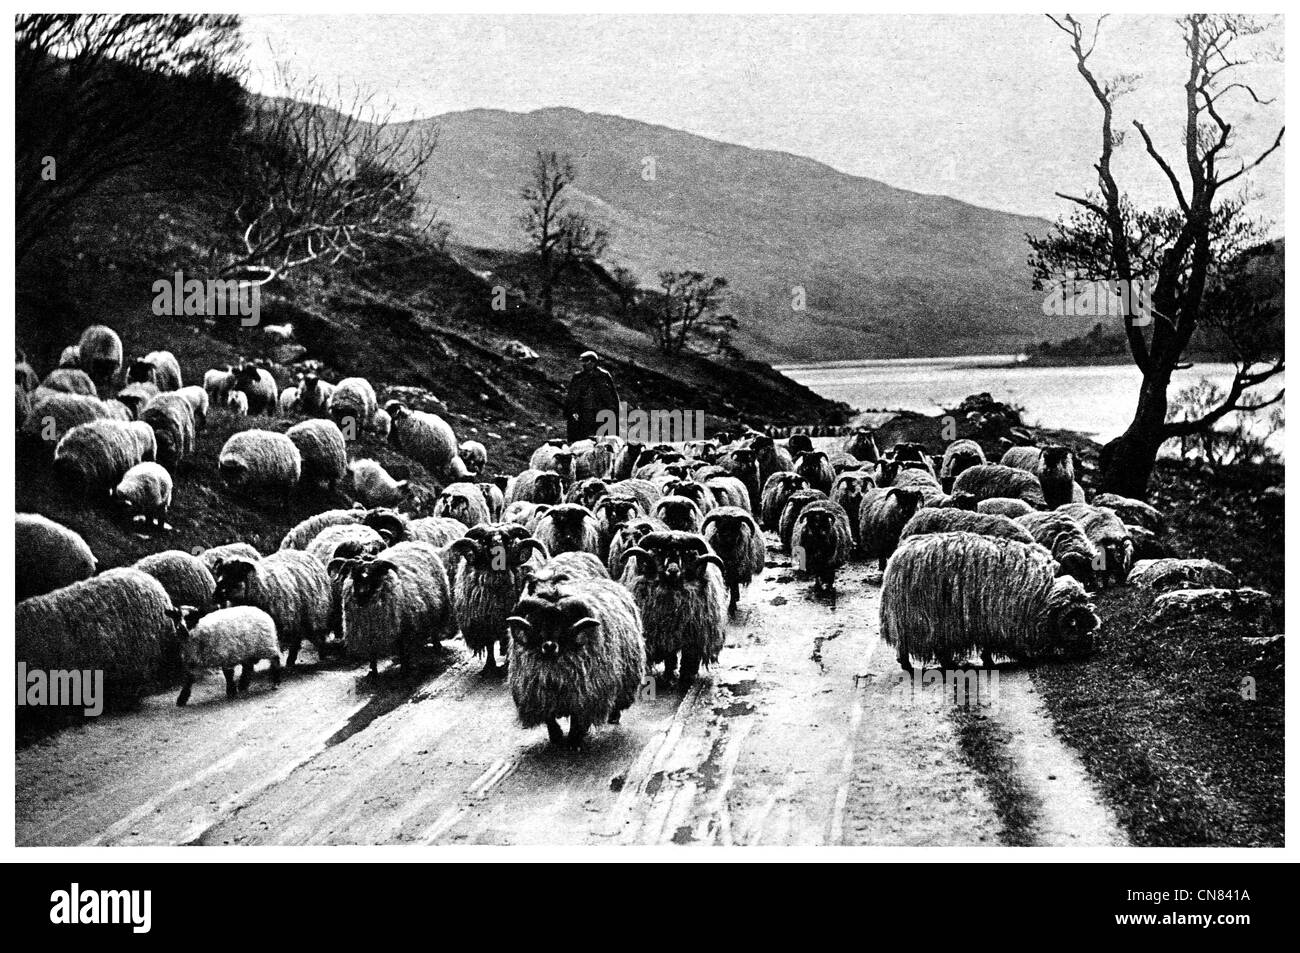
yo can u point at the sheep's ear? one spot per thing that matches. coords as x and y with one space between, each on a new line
581 629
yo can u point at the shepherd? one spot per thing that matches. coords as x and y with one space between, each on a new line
591 391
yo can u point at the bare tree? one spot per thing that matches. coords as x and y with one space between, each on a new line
559 236
1179 251
107 99
690 298
318 182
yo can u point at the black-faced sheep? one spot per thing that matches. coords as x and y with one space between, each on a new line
323 451
847 491
821 541
1052 465
676 581
625 460
587 492
1067 541
290 586
697 493
372 485
770 459
738 542
576 652
426 438
240 635
100 351
679 513
776 493
314 395
628 536
992 479
815 468
930 520
172 420
496 559
535 486
947 595
861 444
48 556
259 387
728 491
569 528
464 502
958 456
612 514
797 501
396 602
881 518
1109 534
145 490
553 459
159 368
95 456
260 461
592 459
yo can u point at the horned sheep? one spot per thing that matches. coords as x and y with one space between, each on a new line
881 518
733 534
396 601
496 560
821 541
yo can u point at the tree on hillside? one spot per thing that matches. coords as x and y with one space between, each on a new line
558 236
315 181
689 301
1180 253
132 102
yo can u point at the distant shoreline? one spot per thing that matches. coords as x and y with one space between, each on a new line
991 361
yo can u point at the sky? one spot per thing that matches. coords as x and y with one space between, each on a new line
986 109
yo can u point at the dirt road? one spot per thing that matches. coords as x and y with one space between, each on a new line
803 734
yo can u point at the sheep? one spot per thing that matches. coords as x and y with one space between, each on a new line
847 492
992 479
323 451
821 542
928 520
958 456
676 582
187 578
733 534
288 401
576 652
625 460
553 459
1135 512
535 486
569 528
396 528
592 459
771 459
816 469
697 493
679 513
776 493
946 595
612 514
172 420
95 456
259 387
1053 466
314 395
1014 508
136 396
145 490
728 491
464 502
260 461
382 425
645 492
628 536
115 623
372 486
290 586
355 537
489 582
562 568
394 603
352 405
159 368
237 403
495 499
214 556
70 356
1067 541
1109 534
218 383
301 535
54 413
1022 458
49 556
861 443
742 463
240 635
587 491
881 518
426 438
797 501
70 381
197 398
100 350
475 456
914 476
798 443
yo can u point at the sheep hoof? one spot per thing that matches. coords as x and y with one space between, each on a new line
577 731
615 716
555 732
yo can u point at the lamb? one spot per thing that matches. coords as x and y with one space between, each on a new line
70 381
260 461
197 398
929 520
214 556
323 451
535 486
95 456
115 622
288 401
54 413
488 584
301 535
394 603
861 443
145 490
881 518
172 420
947 595
1004 506
240 635
992 479
372 486
49 556
314 395
776 493
679 513
475 456
821 541
1135 512
569 528
1109 534
187 578
218 384
736 538
426 438
676 582
554 459
495 499
958 456
464 502
159 368
797 501
1067 541
100 350
816 469
847 492
237 403
290 586
576 652
259 387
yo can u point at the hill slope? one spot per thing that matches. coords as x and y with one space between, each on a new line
887 272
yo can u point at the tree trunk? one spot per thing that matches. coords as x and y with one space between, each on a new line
1127 461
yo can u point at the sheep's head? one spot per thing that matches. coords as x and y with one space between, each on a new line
457 503
183 620
368 576
964 500
818 520
729 525
616 511
247 374
852 484
570 523
743 458
907 499
788 482
678 513
231 576
553 625
497 547
548 488
697 493
673 558
389 524
1055 457
799 443
396 410
589 492
908 451
140 371
1070 620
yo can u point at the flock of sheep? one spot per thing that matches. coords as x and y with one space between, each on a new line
600 561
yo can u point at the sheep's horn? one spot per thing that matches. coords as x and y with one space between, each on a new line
520 621
532 542
710 558
631 551
583 623
466 548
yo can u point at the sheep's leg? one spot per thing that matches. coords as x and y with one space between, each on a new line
616 716
986 657
275 671
230 681
490 665
555 731
882 561
577 730
690 668
904 658
184 696
246 673
374 666
735 597
505 651
293 655
670 666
